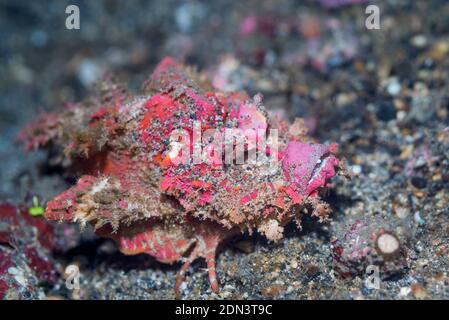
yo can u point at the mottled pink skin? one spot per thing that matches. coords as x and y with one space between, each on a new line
251 118
251 121
39 134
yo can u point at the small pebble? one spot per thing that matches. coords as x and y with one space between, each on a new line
419 182
356 169
89 71
273 290
294 264
394 88
419 292
401 212
418 218
419 41
405 291
386 111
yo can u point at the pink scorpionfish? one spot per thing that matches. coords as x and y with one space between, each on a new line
133 190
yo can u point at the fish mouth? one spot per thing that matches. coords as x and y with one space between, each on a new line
324 170
57 210
309 165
